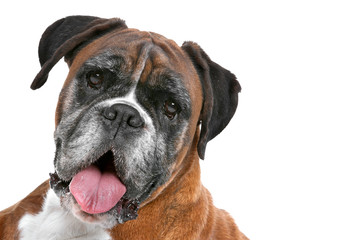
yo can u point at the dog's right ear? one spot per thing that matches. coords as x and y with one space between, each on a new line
65 37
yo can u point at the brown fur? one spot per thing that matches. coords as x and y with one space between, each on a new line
9 218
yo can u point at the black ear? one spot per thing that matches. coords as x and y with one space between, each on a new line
220 92
65 37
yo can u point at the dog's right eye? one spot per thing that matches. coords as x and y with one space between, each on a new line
95 79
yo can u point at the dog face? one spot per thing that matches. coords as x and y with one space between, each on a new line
129 109
127 104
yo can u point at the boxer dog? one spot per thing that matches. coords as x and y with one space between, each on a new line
133 118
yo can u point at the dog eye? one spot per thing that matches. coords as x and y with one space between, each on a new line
94 79
171 109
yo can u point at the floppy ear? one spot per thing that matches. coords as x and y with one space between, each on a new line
65 37
220 93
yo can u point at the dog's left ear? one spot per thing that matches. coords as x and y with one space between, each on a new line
220 94
65 36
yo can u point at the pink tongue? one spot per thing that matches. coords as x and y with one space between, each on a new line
96 192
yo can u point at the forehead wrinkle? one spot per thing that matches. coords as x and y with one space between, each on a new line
141 62
106 60
166 45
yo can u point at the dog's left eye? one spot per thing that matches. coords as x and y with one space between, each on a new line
171 109
94 79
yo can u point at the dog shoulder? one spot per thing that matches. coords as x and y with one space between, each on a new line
31 204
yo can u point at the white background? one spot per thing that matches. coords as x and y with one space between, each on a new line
287 166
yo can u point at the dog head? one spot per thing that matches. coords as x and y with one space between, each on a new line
129 110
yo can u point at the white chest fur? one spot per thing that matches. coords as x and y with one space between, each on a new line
55 223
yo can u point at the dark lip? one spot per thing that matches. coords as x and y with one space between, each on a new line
59 186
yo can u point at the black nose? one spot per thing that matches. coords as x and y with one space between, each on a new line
122 115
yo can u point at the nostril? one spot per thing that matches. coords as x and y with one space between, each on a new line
110 114
136 121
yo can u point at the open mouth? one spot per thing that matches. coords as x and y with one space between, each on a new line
97 189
